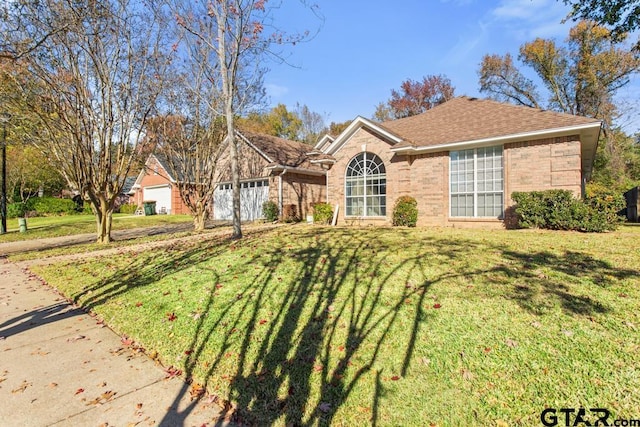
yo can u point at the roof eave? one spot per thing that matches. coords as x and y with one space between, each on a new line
303 171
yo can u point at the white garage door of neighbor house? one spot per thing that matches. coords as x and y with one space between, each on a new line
161 195
252 195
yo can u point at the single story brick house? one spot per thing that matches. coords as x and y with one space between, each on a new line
461 161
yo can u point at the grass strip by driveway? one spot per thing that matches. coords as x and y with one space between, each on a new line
352 326
56 226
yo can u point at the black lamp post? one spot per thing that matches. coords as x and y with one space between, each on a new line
4 118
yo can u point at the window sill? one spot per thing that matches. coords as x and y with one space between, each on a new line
474 219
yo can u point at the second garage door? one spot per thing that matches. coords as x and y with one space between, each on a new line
161 194
252 195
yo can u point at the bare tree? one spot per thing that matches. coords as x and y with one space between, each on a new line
236 37
98 82
190 149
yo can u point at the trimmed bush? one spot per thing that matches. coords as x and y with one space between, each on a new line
45 206
405 212
270 211
322 213
128 208
560 210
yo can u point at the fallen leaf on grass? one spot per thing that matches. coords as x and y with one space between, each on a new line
511 343
437 306
325 407
138 304
395 378
263 321
467 375
171 317
22 387
536 324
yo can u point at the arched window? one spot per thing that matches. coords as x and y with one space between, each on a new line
366 186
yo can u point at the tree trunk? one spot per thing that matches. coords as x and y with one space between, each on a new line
199 217
103 222
235 192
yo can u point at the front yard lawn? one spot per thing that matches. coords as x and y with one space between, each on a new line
56 226
353 326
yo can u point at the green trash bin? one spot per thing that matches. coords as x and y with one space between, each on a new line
149 208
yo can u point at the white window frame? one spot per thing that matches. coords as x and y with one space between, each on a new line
475 192
365 177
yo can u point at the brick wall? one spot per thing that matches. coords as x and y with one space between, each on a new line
544 164
552 163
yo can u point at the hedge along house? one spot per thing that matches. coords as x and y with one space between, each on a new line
461 161
270 168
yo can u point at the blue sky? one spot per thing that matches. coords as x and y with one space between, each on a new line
366 48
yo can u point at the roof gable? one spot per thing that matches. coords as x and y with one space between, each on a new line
357 124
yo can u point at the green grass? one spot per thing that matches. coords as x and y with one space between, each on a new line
56 226
352 326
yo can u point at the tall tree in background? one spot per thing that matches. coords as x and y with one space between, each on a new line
619 16
97 83
301 124
581 77
313 125
500 77
415 97
234 32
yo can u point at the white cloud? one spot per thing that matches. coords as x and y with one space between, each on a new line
276 91
528 19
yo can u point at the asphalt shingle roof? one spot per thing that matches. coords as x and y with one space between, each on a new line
469 119
283 152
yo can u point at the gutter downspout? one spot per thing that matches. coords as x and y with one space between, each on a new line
280 195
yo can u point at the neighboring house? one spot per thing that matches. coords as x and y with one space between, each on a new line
461 161
155 183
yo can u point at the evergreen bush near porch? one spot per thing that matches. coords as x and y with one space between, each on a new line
405 212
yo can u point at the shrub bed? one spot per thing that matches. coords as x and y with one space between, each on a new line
560 210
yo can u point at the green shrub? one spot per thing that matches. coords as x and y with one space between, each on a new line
322 213
128 208
45 206
270 211
405 212
17 210
560 210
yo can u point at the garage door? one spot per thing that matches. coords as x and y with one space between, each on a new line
252 195
161 195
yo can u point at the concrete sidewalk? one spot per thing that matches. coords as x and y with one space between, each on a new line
59 367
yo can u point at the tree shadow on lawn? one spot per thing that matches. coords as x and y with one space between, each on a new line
568 280
336 314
